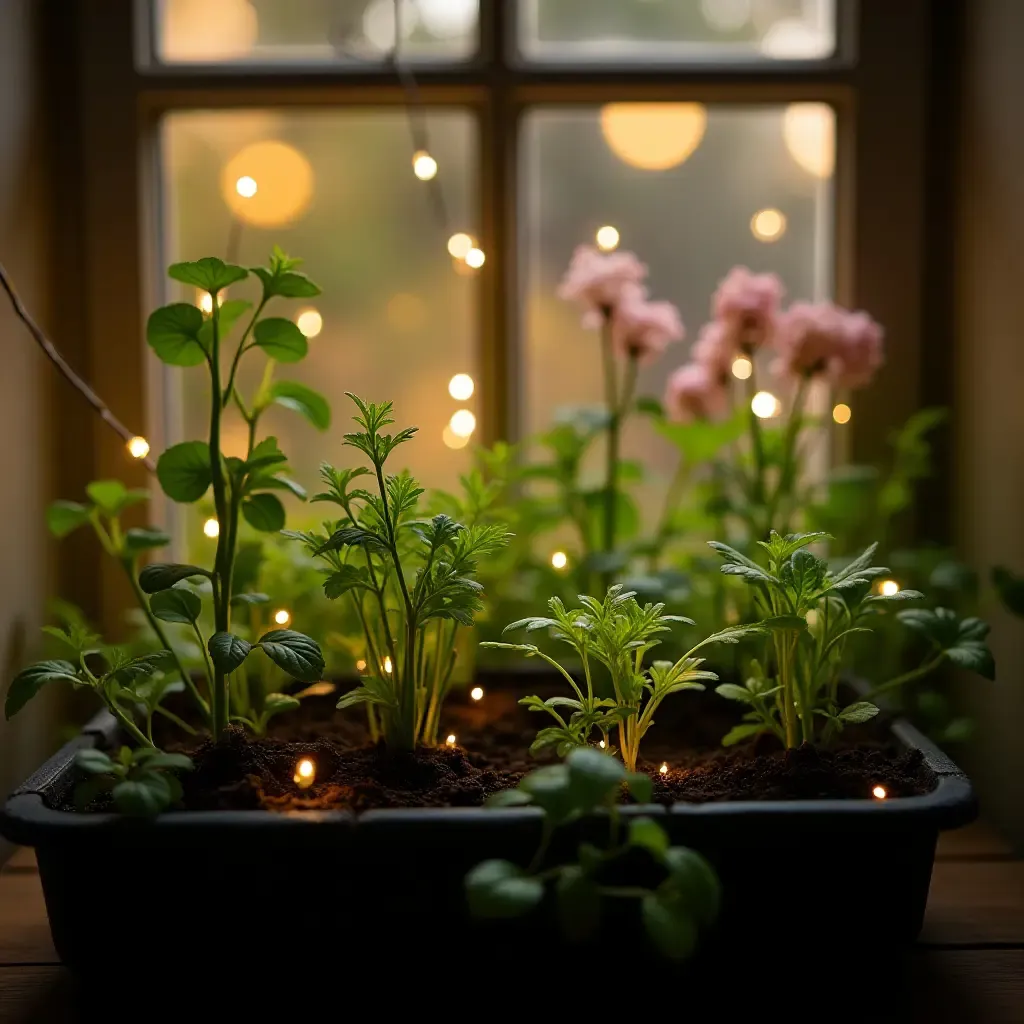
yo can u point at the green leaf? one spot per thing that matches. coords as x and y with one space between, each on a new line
111 496
730 691
281 339
153 759
784 623
303 400
352 536
548 787
27 683
173 333
145 796
144 538
694 881
640 787
176 605
264 512
855 714
62 517
184 471
210 273
345 578
508 798
94 762
579 904
962 642
276 482
294 652
670 928
163 575
227 316
646 832
593 777
228 651
250 598
266 453
744 731
501 889
288 284
1009 586
275 703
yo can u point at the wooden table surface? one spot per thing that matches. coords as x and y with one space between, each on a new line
967 968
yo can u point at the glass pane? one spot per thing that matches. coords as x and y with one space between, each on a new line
395 321
693 191
314 31
676 31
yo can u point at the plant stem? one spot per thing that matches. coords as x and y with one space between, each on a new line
908 677
756 444
129 725
612 447
785 481
154 623
222 565
672 498
239 352
179 722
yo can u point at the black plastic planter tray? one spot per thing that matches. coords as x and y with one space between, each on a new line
336 884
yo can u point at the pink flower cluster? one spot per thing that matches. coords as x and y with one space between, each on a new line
808 339
610 288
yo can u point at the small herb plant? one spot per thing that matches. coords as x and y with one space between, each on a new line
618 633
813 613
141 781
410 580
677 889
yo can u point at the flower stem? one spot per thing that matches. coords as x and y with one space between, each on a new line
785 482
908 677
756 444
673 496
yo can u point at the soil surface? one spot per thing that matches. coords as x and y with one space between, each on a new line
491 753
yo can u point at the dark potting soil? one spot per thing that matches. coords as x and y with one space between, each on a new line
491 754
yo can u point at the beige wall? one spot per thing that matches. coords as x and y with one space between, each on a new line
989 399
24 446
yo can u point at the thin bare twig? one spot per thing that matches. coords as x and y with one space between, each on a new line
99 406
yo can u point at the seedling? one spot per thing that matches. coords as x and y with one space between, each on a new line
140 781
678 891
812 614
411 581
616 632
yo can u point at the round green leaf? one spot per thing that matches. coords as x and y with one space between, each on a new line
264 512
303 400
294 652
228 651
548 787
176 605
143 538
694 880
579 904
163 575
500 889
94 762
173 334
646 832
64 516
281 339
27 683
670 928
146 796
593 776
184 471
210 273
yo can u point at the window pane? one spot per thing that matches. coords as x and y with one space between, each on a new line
689 189
676 31
314 31
395 321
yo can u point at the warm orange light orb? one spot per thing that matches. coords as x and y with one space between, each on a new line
879 793
305 773
653 136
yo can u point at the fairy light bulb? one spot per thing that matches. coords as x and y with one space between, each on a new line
388 667
309 322
305 773
461 387
607 238
424 166
246 186
602 744
879 793
450 740
211 528
742 367
282 616
764 405
360 665
462 423
206 303
477 693
475 258
138 447
842 413
768 225
459 245
887 588
559 560
663 770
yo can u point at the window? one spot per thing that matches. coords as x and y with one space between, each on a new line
533 109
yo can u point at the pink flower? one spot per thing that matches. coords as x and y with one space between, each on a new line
747 306
824 339
693 393
643 330
600 281
712 349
